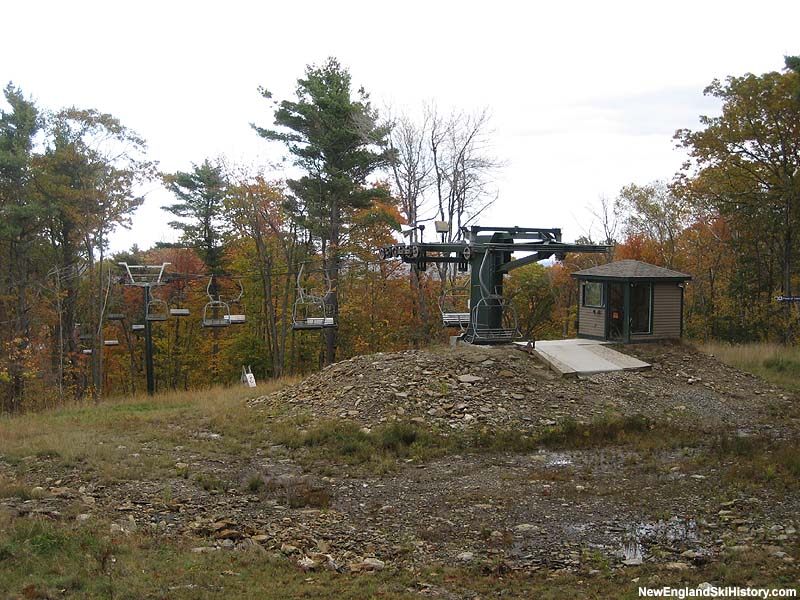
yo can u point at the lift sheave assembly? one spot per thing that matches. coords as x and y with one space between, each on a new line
486 252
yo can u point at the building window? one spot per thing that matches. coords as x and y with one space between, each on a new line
641 307
593 294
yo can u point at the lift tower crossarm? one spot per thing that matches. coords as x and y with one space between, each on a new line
519 233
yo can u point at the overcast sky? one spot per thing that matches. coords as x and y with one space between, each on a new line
584 96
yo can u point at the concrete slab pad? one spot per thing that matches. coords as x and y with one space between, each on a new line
574 357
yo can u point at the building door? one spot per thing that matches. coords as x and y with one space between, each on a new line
616 311
642 308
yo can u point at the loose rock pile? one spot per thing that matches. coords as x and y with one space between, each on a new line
504 387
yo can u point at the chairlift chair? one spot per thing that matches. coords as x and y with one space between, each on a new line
136 327
157 310
310 311
452 304
179 312
505 332
115 317
216 313
111 342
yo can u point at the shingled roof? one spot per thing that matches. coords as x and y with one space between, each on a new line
631 269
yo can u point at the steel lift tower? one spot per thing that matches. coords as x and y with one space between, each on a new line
486 252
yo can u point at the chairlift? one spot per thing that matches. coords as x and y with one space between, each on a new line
156 310
310 311
454 306
216 313
503 330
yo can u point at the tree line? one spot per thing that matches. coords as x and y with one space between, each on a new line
68 178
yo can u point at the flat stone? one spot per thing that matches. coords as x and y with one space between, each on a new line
368 564
289 549
465 556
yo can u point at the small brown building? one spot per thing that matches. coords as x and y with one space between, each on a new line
630 301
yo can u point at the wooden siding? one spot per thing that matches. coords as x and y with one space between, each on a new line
666 313
592 321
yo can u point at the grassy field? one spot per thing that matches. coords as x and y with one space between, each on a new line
773 362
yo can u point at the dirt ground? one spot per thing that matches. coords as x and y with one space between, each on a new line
609 506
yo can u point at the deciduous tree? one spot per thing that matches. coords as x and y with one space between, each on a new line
745 165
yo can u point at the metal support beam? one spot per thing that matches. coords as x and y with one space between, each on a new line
525 260
148 344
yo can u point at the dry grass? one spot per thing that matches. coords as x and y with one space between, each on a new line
102 438
774 362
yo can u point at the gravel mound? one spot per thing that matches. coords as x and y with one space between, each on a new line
459 388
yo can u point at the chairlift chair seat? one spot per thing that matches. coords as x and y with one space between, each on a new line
137 327
111 342
455 319
179 312
237 319
86 351
310 323
314 323
211 322
115 317
216 314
